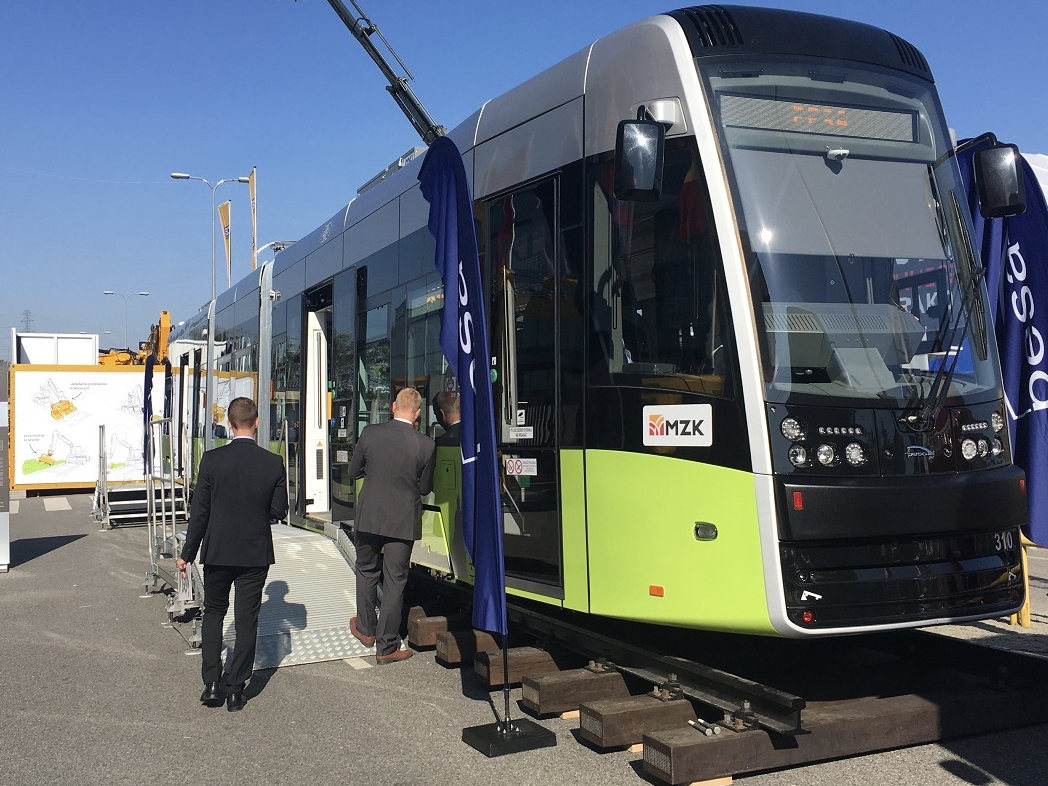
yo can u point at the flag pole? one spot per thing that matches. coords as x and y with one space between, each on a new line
463 341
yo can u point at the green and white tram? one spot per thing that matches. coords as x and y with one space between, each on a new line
761 395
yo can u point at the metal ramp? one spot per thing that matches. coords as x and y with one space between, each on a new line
309 597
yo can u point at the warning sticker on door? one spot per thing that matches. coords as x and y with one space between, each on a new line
522 466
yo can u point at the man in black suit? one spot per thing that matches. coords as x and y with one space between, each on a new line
240 488
398 463
451 417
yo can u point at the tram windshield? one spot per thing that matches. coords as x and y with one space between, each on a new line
856 233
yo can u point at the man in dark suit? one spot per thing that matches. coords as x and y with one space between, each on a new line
240 488
398 463
451 417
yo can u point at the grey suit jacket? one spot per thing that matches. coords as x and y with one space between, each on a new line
398 463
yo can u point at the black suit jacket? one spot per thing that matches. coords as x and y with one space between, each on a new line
451 435
398 463
240 488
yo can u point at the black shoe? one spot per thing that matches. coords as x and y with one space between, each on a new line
235 700
212 695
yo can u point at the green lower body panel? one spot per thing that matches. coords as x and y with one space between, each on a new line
646 560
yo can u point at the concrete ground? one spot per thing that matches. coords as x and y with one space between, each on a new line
96 687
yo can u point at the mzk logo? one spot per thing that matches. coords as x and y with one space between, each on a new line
679 424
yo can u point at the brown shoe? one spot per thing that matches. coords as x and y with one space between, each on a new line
393 657
367 641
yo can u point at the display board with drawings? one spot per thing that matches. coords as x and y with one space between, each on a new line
56 412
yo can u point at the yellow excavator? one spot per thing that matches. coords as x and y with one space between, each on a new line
156 345
74 453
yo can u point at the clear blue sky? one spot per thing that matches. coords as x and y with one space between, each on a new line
100 102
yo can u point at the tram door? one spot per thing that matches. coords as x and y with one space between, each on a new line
522 252
316 413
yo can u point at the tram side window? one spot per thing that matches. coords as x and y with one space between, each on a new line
658 306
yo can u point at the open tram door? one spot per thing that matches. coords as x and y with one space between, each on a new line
522 253
316 408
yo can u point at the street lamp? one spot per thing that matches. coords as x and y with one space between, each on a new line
125 297
209 396
276 245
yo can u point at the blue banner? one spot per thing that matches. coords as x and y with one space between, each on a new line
464 342
1015 253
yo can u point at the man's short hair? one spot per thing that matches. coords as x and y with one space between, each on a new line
408 400
242 413
448 401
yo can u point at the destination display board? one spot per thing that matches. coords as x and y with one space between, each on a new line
776 114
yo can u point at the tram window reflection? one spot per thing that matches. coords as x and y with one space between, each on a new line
658 308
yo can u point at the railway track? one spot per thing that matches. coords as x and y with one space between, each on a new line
705 707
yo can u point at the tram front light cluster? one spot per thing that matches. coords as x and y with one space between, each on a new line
997 422
969 449
855 454
793 429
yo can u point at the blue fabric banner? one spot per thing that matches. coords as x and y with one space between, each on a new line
1015 253
464 342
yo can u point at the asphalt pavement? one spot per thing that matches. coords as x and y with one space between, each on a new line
97 687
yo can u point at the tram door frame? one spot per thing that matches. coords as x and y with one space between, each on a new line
315 412
527 417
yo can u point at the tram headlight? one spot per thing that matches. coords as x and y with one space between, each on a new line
983 446
827 455
997 422
969 449
998 447
855 454
792 429
798 455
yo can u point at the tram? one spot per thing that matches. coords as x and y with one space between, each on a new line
759 394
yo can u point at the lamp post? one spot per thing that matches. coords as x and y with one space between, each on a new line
209 395
125 297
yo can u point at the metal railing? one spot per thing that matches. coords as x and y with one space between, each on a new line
162 510
100 506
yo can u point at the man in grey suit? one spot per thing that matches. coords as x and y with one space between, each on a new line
397 461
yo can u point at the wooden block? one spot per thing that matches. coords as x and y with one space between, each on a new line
422 631
563 691
725 781
455 647
616 723
573 715
523 661
414 613
635 748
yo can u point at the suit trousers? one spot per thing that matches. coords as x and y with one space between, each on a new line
249 582
389 558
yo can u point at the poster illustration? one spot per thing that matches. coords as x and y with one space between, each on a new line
56 414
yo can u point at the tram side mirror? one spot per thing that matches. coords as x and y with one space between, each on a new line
640 147
999 179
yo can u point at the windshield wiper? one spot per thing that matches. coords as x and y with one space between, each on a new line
970 315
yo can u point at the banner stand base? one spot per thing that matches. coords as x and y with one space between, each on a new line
524 735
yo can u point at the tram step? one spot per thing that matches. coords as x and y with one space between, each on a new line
523 661
455 647
619 723
564 691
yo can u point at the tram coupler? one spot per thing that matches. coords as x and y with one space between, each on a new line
743 718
